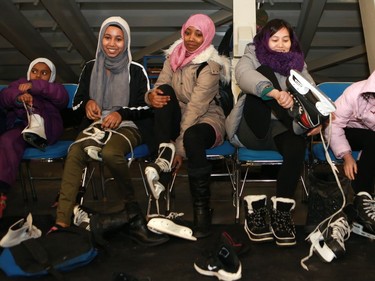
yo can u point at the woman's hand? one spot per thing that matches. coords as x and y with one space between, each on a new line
350 166
24 87
93 111
282 97
112 121
26 98
177 163
157 98
315 131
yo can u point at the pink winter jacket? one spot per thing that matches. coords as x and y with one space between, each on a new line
353 111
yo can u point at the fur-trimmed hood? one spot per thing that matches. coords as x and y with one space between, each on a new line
210 54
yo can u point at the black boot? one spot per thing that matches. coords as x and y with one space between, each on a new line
100 224
199 179
138 230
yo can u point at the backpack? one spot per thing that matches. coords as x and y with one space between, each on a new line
225 91
49 254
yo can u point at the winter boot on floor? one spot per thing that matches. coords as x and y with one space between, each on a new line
257 218
282 224
222 261
138 230
199 180
162 164
364 222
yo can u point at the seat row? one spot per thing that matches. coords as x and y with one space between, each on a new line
237 160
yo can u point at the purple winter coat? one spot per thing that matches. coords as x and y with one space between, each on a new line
48 100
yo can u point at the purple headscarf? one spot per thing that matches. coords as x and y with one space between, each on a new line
279 62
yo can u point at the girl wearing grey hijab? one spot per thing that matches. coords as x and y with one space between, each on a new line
116 117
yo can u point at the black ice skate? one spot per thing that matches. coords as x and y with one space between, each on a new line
364 222
311 106
328 239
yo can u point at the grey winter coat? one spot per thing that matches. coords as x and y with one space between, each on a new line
196 95
251 81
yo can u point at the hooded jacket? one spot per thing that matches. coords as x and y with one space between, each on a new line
196 94
352 111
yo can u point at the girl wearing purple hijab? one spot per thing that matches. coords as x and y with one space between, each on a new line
188 119
260 120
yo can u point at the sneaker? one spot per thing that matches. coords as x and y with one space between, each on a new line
282 224
3 204
364 222
162 164
257 218
222 263
328 239
81 218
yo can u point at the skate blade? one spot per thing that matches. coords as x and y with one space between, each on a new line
321 248
359 230
167 226
324 104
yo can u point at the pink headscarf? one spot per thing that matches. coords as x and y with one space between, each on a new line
180 56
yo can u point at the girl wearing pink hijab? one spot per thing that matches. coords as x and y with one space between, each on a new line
188 118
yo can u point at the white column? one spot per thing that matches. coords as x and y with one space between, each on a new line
367 8
244 27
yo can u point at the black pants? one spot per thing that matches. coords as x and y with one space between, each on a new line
363 139
196 139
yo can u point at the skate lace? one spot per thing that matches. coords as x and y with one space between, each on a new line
369 208
97 135
340 231
163 163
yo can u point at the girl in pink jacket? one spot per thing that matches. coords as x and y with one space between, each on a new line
353 129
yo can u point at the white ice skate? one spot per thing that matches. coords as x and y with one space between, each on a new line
161 164
165 225
20 231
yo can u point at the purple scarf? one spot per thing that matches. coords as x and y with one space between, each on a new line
279 62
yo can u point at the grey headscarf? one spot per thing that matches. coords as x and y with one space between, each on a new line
111 92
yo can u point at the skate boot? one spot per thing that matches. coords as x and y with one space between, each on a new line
221 262
328 239
311 106
257 218
282 224
96 138
81 218
34 133
162 164
364 222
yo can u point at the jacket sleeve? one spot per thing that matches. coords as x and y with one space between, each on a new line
344 110
248 78
8 95
82 94
139 85
55 93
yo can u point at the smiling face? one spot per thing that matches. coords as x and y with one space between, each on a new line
113 41
280 41
193 39
40 71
